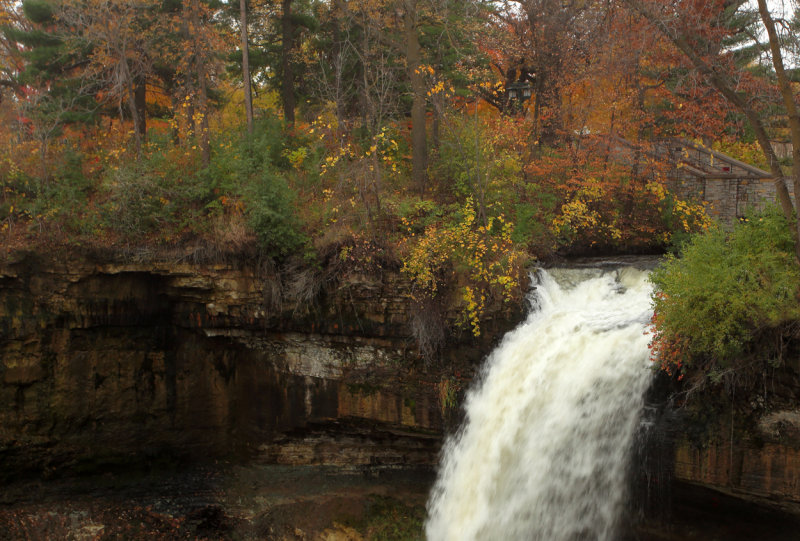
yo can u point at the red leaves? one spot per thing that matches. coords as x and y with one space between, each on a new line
667 350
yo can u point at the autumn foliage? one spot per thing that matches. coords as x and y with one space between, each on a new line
725 309
386 134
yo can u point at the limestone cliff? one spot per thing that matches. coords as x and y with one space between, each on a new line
119 361
108 362
764 467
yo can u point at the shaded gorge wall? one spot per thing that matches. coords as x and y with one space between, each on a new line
108 363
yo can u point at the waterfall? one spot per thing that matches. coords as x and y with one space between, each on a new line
544 449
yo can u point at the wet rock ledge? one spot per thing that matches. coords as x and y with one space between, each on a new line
104 363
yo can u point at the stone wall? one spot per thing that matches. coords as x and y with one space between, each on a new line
729 199
769 473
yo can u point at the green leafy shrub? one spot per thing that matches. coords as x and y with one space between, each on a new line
718 304
150 194
272 216
65 198
256 170
135 203
238 161
480 160
61 200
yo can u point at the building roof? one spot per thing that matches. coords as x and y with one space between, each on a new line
697 160
705 162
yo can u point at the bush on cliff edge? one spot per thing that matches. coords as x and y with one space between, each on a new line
724 308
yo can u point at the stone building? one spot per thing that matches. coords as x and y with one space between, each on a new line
730 187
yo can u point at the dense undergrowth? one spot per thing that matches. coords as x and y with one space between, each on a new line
726 322
320 195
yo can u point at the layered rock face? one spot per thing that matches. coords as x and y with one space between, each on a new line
111 363
105 362
748 448
765 468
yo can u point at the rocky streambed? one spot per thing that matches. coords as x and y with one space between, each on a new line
238 501
219 501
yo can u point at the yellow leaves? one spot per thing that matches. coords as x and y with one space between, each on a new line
297 156
474 308
481 257
436 89
691 216
623 213
579 215
657 189
380 156
575 214
495 87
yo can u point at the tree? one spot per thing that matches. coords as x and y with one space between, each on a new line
198 69
287 66
414 69
556 39
788 97
48 76
697 31
248 95
279 37
117 35
11 17
189 44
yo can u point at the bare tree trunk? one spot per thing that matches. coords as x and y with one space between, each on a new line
537 112
436 127
175 103
788 101
127 83
43 171
367 111
205 145
188 83
287 70
339 8
248 93
419 144
437 101
140 100
200 72
191 124
131 100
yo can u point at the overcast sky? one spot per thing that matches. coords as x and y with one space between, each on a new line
779 8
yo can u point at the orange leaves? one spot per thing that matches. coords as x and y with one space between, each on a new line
665 349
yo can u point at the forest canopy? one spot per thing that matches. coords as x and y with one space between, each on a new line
453 140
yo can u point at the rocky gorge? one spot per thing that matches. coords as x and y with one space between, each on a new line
108 363
117 361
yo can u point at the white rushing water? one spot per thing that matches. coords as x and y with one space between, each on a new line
544 448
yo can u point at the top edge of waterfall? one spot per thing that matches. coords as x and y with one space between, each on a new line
641 262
